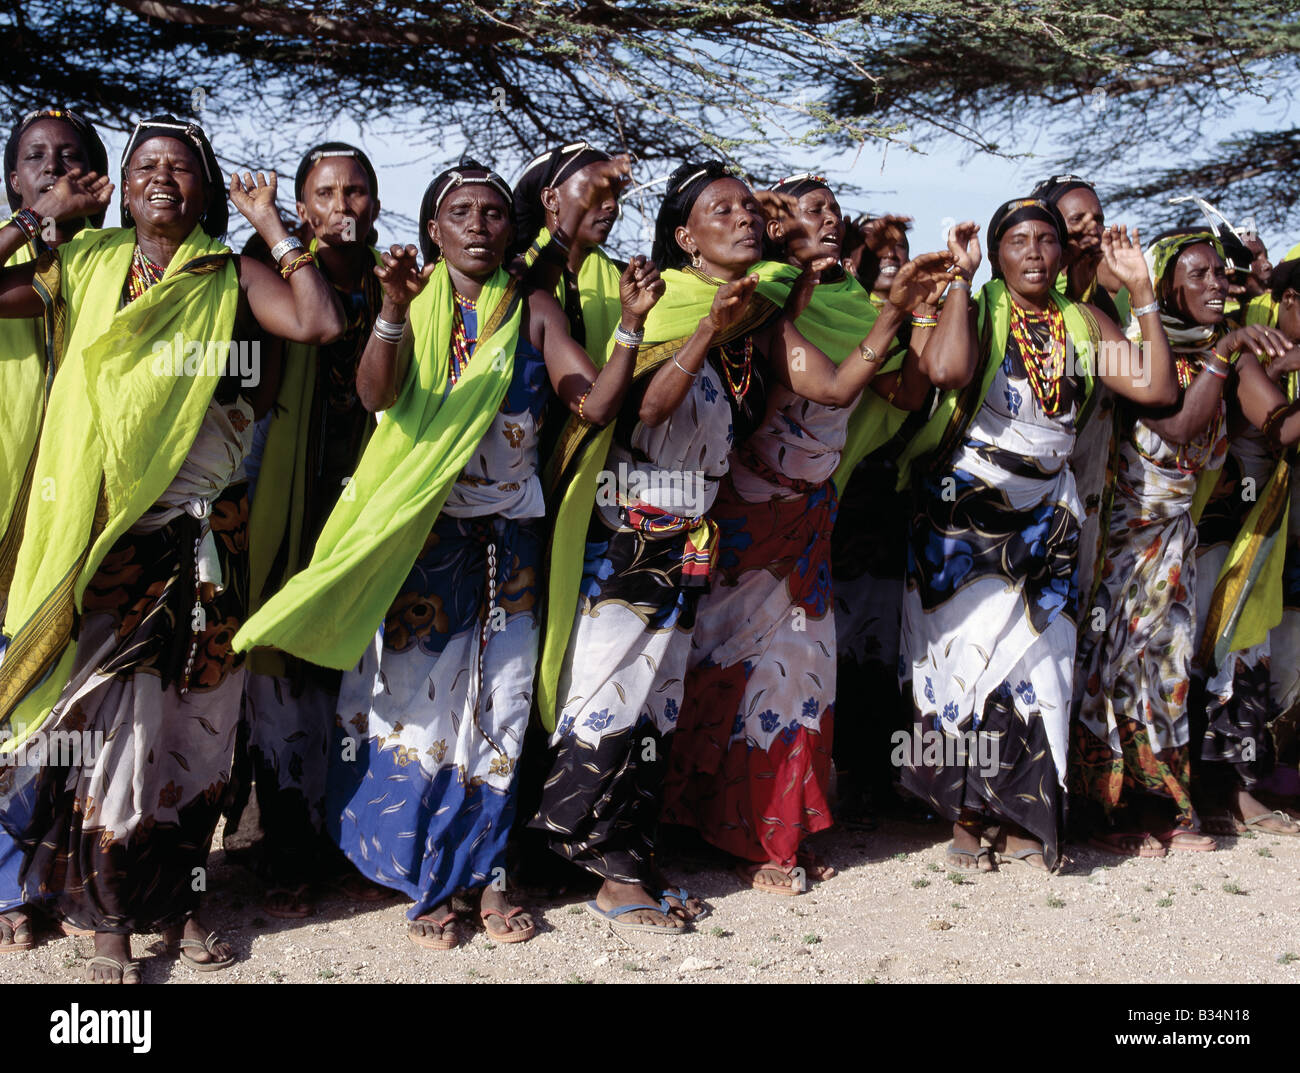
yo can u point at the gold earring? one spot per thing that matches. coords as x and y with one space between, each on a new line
696 259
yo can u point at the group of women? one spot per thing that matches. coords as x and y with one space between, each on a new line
508 541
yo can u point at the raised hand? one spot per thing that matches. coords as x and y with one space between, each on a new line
882 232
73 196
594 184
730 303
1267 344
922 281
400 274
964 247
255 200
1123 256
1287 363
639 288
778 207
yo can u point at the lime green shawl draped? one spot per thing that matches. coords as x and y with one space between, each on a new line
279 516
116 431
939 436
24 386
328 613
582 450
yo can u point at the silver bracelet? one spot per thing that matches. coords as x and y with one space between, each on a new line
289 242
1142 311
683 368
632 340
387 331
964 284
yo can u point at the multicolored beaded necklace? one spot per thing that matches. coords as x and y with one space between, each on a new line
143 275
462 346
738 368
1044 362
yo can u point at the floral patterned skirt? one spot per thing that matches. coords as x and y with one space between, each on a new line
116 840
621 688
430 724
989 639
751 756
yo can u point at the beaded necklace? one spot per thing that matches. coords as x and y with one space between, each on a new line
738 368
143 275
1044 363
461 345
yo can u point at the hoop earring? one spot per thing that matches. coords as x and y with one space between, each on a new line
696 260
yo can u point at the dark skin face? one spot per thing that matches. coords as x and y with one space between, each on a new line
1260 267
47 149
890 259
336 191
1200 284
1085 221
164 187
1288 315
599 219
1030 256
816 229
472 229
726 227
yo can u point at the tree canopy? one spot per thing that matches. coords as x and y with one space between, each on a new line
758 82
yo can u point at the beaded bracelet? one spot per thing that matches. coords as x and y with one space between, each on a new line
28 223
1213 371
924 321
1230 360
582 401
631 340
293 266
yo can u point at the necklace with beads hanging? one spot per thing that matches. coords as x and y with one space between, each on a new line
738 371
1044 364
144 274
460 341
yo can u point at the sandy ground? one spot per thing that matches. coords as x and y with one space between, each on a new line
893 914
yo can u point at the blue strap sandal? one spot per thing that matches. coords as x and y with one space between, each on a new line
611 917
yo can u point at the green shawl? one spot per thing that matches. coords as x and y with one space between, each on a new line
276 520
114 436
956 408
328 613
582 450
26 376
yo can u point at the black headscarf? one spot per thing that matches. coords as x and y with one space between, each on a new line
685 186
552 168
1053 189
216 218
96 154
317 153
1017 211
1285 276
467 171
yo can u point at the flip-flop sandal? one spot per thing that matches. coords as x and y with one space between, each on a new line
684 896
1022 856
207 945
748 873
1277 815
295 904
124 969
446 941
520 936
1127 844
611 916
72 929
1170 840
18 945
952 853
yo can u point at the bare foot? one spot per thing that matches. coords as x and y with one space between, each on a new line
615 895
500 918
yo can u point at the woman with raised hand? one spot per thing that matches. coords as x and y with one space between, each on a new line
616 646
1239 577
1133 744
440 549
42 147
130 579
989 618
751 756
312 441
